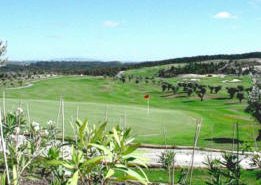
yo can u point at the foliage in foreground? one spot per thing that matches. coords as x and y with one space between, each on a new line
33 152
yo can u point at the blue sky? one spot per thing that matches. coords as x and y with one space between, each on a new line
128 30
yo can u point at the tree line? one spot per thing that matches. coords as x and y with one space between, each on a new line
97 68
230 67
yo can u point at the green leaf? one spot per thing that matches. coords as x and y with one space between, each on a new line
99 132
110 173
82 129
126 133
143 173
133 174
94 160
58 163
131 148
131 159
103 148
15 177
121 166
115 134
74 179
3 179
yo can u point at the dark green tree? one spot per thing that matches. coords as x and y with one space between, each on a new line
201 93
217 89
231 91
240 96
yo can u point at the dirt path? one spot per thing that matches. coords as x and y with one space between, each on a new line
33 81
183 157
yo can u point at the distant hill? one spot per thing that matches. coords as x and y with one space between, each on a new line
72 66
200 58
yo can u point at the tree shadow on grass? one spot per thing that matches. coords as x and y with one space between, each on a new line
188 101
224 140
221 98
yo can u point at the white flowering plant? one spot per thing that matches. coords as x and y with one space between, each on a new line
13 121
25 145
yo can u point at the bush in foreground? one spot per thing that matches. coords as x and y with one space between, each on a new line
93 157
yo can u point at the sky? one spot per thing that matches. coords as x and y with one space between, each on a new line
128 30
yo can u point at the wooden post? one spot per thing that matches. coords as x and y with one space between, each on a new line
77 113
125 120
193 152
62 126
106 113
4 149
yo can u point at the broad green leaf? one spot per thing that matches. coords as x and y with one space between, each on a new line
133 175
103 148
131 159
131 148
143 173
82 128
58 163
74 179
94 160
3 179
15 177
99 132
126 133
110 173
129 141
115 134
121 166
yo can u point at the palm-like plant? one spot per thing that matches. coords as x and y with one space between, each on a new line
97 154
215 172
167 159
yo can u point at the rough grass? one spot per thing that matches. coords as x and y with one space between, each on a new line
200 176
176 115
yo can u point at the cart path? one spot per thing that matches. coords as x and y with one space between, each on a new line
183 157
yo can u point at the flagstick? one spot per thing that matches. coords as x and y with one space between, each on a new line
148 101
4 149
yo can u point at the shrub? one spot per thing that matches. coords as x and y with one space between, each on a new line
94 156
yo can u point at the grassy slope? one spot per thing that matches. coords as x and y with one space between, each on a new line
175 114
152 71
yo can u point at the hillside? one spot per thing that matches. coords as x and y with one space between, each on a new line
111 68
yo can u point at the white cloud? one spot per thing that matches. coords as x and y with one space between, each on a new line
224 15
111 24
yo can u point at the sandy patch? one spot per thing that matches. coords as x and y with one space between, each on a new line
183 157
195 76
231 81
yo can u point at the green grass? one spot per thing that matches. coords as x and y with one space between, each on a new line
200 176
176 114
